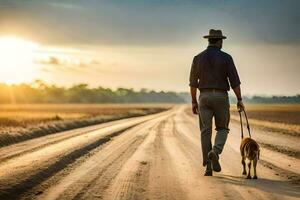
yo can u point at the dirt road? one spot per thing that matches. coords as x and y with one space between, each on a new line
151 157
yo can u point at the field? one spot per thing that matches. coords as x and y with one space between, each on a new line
19 122
277 126
281 113
283 118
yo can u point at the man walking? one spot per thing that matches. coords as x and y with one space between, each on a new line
211 72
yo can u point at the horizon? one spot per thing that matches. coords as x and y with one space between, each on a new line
150 45
35 84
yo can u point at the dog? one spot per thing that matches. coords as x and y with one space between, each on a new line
249 151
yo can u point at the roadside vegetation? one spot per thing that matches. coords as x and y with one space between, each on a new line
281 118
19 122
39 92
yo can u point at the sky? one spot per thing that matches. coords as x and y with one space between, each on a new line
148 44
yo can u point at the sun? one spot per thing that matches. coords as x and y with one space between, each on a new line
16 63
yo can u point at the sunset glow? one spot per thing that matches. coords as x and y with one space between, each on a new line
16 63
130 43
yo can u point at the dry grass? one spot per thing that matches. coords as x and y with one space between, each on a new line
23 115
283 118
281 113
23 122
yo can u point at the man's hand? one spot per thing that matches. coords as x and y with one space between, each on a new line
194 100
195 108
240 105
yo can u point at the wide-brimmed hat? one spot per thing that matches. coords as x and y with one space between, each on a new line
215 34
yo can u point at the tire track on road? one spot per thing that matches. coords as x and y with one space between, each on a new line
28 146
132 178
91 179
22 173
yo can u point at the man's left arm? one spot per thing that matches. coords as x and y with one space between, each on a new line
194 82
235 83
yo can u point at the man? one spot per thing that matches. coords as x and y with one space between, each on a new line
211 72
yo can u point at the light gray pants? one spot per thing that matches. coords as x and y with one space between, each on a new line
213 104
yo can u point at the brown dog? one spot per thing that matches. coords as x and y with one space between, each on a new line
249 150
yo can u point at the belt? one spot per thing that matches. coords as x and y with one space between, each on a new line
213 90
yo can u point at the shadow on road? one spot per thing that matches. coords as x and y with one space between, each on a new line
267 185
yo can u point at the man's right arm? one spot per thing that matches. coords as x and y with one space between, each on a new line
194 82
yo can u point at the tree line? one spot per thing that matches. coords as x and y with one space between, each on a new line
273 99
294 99
39 92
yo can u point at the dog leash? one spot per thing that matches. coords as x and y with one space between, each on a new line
248 127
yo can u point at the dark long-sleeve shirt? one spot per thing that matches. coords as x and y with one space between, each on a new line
212 69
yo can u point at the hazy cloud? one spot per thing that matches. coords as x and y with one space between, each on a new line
138 22
137 43
67 63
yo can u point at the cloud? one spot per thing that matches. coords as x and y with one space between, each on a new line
66 63
138 22
52 61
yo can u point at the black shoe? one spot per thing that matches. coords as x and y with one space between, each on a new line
213 157
208 170
208 173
